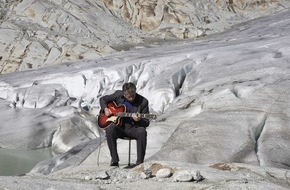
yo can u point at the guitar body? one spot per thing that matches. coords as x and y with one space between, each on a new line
105 121
117 113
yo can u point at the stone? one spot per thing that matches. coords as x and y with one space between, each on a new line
146 174
198 177
88 178
182 176
101 175
163 173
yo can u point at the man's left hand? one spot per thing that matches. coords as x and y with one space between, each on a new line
136 117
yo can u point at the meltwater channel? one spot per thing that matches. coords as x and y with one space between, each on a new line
19 162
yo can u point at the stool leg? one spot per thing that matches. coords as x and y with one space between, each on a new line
129 157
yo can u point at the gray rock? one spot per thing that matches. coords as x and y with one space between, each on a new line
146 174
182 176
198 177
163 173
88 178
102 175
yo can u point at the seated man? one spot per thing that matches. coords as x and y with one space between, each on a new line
133 127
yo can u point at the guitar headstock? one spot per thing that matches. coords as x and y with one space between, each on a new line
151 116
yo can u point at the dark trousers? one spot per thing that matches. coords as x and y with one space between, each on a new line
114 132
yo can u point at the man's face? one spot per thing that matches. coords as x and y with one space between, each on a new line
130 96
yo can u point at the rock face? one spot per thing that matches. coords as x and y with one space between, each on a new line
34 34
187 19
39 33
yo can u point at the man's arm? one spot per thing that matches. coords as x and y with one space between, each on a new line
144 108
107 98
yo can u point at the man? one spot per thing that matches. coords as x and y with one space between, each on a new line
133 127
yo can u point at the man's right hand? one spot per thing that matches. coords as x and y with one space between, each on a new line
108 112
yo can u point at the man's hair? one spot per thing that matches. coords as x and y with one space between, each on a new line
129 88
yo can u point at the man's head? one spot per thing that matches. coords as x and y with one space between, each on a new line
129 91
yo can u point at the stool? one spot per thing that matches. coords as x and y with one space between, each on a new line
129 156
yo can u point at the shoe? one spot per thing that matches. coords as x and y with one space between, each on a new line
138 163
114 164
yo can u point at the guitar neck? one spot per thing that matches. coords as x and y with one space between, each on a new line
141 115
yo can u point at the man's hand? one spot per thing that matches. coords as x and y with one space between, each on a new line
108 112
136 117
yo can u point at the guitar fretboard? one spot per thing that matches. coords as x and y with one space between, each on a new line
147 116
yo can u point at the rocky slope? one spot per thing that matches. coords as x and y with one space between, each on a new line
34 34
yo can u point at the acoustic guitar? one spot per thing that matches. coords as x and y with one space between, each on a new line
118 112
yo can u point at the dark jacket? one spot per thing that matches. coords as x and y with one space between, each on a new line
139 105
